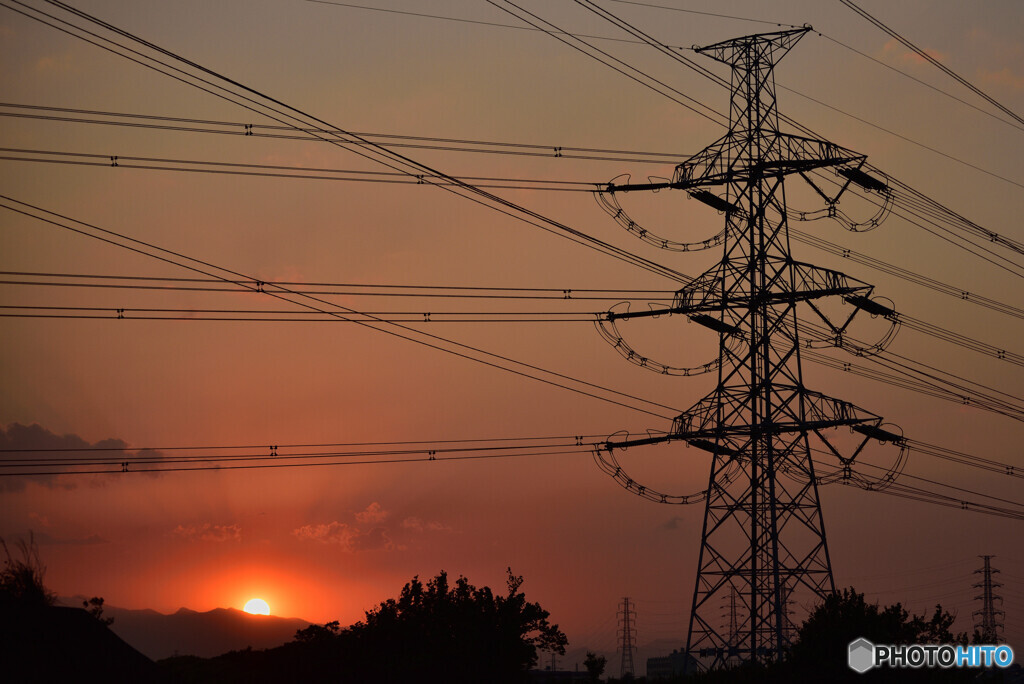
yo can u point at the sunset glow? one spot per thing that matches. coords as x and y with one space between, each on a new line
250 361
257 606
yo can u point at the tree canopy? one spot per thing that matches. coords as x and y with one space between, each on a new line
458 633
823 640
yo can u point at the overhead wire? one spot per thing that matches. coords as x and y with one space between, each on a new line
315 303
838 110
907 275
59 4
286 316
702 13
280 171
625 69
931 283
423 15
293 445
388 140
95 460
266 462
360 289
923 54
700 69
280 112
919 81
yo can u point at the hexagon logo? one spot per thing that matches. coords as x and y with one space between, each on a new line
861 655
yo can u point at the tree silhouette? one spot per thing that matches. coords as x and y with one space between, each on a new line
95 608
431 633
595 665
443 633
820 652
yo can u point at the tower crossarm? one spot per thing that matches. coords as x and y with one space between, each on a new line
724 162
704 293
807 411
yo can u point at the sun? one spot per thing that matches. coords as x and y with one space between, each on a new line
257 606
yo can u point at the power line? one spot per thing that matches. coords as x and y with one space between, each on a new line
316 303
923 203
282 171
706 14
262 463
673 53
302 445
626 26
917 80
278 111
280 316
907 275
446 18
936 63
352 289
637 75
238 128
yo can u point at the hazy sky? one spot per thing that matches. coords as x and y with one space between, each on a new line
329 542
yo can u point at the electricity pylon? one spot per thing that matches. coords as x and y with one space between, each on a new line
732 631
627 632
987 622
763 533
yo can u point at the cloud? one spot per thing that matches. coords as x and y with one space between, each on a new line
896 49
330 533
346 536
37 450
373 514
208 532
1004 78
65 63
376 538
41 519
672 523
418 525
44 539
372 530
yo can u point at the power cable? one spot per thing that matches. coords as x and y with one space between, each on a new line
445 18
931 60
315 303
484 292
280 112
638 76
919 81
238 128
281 171
673 53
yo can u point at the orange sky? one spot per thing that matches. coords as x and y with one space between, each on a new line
328 543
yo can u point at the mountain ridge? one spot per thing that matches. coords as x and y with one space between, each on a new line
189 632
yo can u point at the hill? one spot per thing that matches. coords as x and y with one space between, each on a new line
203 634
58 644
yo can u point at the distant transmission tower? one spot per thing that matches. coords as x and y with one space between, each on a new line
789 627
627 634
732 633
763 533
987 620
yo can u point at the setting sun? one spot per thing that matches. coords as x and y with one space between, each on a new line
257 606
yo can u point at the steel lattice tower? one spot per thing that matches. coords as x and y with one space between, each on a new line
763 533
988 624
627 633
732 631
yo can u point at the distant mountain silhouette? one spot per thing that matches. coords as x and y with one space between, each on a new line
188 632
